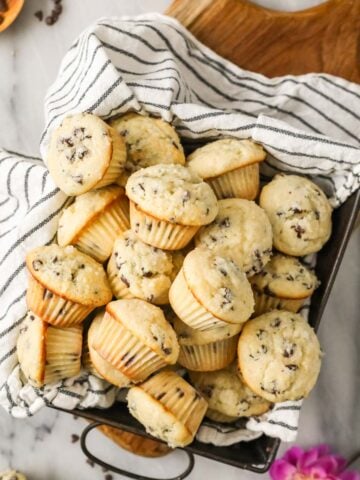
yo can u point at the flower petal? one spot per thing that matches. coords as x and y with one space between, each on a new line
294 455
328 464
282 470
309 458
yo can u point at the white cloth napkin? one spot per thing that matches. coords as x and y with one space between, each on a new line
150 64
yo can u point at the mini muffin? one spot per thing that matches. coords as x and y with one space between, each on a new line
242 231
285 283
211 291
97 365
206 351
279 356
136 339
229 166
85 153
168 407
138 270
48 354
227 394
168 204
299 212
65 285
149 141
94 220
136 444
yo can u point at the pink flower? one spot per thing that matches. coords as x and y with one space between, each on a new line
317 463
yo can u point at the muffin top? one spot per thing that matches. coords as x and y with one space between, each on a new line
189 336
219 285
173 193
69 273
226 393
148 323
225 155
279 356
31 350
85 209
80 151
285 277
147 271
149 141
299 212
242 231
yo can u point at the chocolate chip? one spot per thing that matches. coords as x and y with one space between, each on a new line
148 274
299 230
224 223
90 462
32 318
317 214
180 392
124 132
207 390
264 348
289 277
149 226
166 350
82 266
260 333
74 438
82 152
276 323
223 272
36 264
186 197
125 280
296 210
292 367
141 186
78 179
289 350
55 259
39 15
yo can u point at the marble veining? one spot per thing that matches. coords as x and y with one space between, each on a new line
47 446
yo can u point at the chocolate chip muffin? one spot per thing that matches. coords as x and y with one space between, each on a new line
230 166
149 141
299 212
85 153
211 291
138 270
65 285
241 231
94 220
227 394
168 204
279 356
168 407
136 339
206 351
48 354
285 283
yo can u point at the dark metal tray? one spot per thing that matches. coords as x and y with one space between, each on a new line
256 455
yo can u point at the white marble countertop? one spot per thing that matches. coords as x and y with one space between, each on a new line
47 445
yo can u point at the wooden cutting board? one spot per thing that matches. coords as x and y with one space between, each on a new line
325 38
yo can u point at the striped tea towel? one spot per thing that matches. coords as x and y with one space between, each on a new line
150 64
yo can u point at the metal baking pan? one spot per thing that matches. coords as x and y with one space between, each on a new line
256 455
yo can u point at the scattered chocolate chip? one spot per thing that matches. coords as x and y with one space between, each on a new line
90 462
317 214
207 390
82 266
296 210
74 438
39 15
289 277
148 274
50 20
260 333
166 350
275 323
141 186
186 197
223 272
32 318
289 350
264 348
149 227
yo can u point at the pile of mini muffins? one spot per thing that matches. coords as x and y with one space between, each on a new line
163 262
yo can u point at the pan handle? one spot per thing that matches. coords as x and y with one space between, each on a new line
120 471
